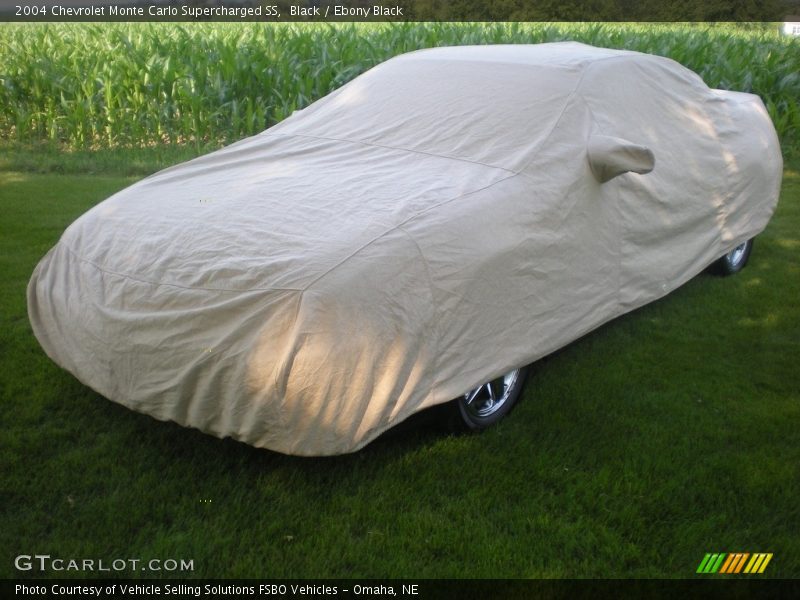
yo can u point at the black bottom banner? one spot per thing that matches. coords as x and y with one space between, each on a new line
397 588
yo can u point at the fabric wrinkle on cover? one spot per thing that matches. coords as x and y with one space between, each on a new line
423 229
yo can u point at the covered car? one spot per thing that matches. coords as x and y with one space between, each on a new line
440 221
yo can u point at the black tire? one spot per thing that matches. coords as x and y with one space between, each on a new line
735 260
487 404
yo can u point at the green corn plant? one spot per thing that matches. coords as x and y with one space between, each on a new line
87 85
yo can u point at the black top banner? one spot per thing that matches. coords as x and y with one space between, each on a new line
399 10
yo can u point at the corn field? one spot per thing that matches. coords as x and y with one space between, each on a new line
90 85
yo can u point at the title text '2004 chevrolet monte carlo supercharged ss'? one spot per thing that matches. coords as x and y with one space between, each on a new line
439 222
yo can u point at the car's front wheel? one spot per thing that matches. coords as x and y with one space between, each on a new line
488 403
735 260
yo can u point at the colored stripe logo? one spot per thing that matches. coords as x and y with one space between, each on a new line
734 562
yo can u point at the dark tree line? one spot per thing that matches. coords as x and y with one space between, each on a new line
601 10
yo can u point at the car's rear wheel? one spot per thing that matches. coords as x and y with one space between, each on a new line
488 403
735 260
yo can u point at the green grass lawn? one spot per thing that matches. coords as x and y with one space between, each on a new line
668 433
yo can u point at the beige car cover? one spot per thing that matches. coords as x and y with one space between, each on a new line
446 217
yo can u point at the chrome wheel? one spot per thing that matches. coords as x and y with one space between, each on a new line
487 399
735 260
490 402
736 256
